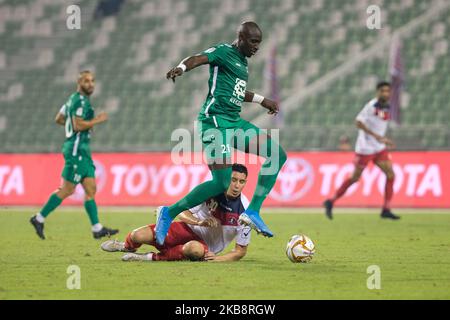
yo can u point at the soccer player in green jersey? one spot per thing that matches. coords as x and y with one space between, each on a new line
220 114
77 115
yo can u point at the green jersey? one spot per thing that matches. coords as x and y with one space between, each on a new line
77 142
227 83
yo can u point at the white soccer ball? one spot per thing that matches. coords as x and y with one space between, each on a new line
300 249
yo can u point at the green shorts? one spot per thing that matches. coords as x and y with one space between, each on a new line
220 135
78 167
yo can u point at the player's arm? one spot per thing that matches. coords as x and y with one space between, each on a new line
79 124
60 116
60 119
189 218
186 65
270 105
236 254
361 125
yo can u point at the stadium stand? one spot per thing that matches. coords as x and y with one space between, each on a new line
40 57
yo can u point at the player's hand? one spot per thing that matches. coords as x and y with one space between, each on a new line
102 116
388 142
210 256
209 222
173 73
271 105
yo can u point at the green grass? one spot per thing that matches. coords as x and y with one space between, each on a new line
413 254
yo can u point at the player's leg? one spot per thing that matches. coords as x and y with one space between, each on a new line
219 163
255 141
133 240
55 199
329 203
192 250
90 189
136 238
181 244
386 166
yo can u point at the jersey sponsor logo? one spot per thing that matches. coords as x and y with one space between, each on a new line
79 112
236 102
238 92
239 89
382 114
221 213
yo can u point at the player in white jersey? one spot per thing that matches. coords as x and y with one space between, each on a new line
203 232
372 145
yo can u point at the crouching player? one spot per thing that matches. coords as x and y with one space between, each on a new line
203 232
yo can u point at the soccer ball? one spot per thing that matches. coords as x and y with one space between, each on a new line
300 249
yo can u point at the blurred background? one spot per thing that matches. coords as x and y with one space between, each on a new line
318 58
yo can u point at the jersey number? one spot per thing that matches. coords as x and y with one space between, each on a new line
68 126
225 148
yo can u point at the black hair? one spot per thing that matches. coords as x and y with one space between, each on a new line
383 84
240 168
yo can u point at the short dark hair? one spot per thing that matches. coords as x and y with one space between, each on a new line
240 168
383 84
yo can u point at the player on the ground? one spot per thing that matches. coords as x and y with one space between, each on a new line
204 231
219 113
77 115
372 145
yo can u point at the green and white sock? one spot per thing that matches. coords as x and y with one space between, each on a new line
40 218
53 202
91 209
275 159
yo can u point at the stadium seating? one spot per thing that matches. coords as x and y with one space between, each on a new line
131 52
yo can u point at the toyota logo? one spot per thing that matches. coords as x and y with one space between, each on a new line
294 180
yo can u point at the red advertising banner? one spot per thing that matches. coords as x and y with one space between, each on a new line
307 178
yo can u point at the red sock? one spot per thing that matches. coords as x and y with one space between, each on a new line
172 254
388 193
342 189
130 244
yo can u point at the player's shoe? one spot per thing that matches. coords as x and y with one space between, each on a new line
114 246
138 256
387 214
328 204
253 220
105 232
163 221
38 226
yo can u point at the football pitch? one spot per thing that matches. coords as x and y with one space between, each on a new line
413 257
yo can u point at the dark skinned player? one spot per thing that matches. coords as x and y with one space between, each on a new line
221 113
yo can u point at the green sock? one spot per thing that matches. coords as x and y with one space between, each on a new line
219 183
53 202
91 209
268 173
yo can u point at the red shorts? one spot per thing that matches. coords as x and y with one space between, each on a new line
362 160
179 233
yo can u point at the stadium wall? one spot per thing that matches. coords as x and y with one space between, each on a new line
151 179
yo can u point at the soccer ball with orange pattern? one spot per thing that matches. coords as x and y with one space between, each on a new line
300 249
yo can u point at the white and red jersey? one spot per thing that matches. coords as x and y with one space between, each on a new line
376 119
227 211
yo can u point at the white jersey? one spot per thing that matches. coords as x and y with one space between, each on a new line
376 119
227 212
